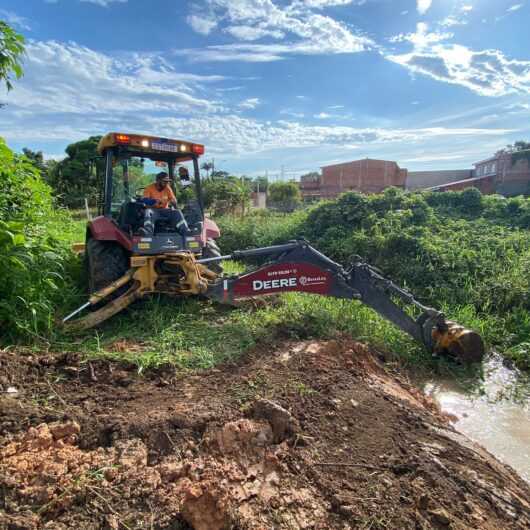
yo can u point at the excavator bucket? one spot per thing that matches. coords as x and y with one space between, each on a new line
461 343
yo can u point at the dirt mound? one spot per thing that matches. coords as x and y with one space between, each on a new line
311 436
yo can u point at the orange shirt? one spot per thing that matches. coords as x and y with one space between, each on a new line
165 196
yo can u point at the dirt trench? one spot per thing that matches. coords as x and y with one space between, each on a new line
311 435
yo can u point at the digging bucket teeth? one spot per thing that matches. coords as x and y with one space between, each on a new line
464 344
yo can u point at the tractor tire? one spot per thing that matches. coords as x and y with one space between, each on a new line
106 262
212 250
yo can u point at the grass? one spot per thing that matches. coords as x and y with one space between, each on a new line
193 334
474 268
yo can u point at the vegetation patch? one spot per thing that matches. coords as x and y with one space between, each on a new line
462 252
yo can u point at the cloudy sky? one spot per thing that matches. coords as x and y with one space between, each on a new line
270 83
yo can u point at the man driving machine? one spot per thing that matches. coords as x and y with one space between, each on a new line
161 205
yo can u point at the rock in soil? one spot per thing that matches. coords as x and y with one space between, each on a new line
223 449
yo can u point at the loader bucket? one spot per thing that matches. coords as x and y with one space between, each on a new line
459 342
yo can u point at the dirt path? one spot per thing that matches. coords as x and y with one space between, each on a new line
313 435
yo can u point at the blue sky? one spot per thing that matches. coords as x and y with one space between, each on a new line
269 83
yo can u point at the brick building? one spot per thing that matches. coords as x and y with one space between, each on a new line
507 178
366 176
494 175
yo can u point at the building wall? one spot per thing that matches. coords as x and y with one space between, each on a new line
493 175
417 180
485 185
510 179
259 199
366 176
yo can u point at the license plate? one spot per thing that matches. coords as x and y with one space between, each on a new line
164 147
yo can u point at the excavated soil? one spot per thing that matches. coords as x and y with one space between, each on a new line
312 435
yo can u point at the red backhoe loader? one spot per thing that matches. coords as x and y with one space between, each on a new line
123 265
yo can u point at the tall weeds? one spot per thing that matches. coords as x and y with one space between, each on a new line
33 258
454 250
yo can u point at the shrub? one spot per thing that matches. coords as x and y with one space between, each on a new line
32 258
451 249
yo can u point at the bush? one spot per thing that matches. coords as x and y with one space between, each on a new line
32 258
284 196
452 249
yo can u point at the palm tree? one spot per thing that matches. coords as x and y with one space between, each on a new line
207 166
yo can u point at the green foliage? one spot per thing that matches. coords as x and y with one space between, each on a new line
262 228
12 49
453 250
196 334
226 195
260 184
33 261
284 196
75 177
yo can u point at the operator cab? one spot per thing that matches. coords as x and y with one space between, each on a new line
124 182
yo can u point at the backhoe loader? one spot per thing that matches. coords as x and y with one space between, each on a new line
123 266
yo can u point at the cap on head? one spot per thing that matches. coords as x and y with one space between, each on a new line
162 177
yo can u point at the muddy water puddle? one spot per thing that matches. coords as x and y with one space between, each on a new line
496 414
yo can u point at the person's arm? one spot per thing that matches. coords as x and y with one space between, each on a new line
172 198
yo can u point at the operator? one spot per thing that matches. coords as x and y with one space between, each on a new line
184 177
161 192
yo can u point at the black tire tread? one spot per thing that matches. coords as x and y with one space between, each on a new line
106 262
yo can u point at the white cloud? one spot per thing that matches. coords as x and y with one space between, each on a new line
250 103
423 6
253 33
322 116
104 3
329 3
292 113
452 20
201 25
71 92
422 38
486 72
252 137
515 7
15 20
302 30
68 78
458 16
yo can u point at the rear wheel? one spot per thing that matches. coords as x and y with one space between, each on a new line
106 262
212 250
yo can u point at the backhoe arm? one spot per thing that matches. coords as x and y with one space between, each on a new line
298 267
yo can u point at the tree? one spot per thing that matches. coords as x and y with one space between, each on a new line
520 150
35 157
75 178
284 196
219 175
260 184
226 195
12 49
207 166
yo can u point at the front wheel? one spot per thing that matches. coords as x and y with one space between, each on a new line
106 262
212 250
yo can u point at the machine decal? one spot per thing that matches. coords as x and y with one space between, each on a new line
144 246
284 277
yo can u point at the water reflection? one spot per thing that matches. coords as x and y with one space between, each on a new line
496 415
